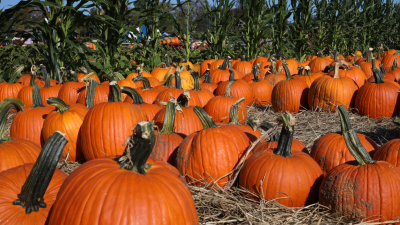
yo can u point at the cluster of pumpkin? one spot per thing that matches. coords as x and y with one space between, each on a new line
200 113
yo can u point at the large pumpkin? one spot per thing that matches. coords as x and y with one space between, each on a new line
243 66
332 150
152 191
274 174
10 89
388 60
290 94
319 64
68 120
27 192
187 81
379 99
291 64
363 188
25 94
28 124
326 92
107 125
207 145
389 152
14 151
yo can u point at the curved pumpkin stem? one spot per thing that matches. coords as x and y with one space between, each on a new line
33 77
90 93
224 65
167 75
287 71
145 81
231 75
352 142
86 78
394 65
137 98
45 76
36 97
15 73
59 104
168 83
335 54
383 71
205 119
117 75
109 78
377 75
178 81
380 51
169 117
115 92
255 74
35 186
5 106
355 59
140 147
285 140
228 89
300 70
234 112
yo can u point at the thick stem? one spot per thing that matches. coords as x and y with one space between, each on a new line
207 76
86 78
59 104
115 92
285 140
178 81
167 75
183 99
355 59
336 74
378 76
228 89
231 75
32 80
300 70
369 55
35 186
225 64
335 54
383 71
353 143
5 106
109 78
137 98
90 93
36 97
167 60
169 117
234 112
255 74
118 76
140 147
45 76
196 81
205 119
287 71
394 65
307 71
145 82
15 73
320 55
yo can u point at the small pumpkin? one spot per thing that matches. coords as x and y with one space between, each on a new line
48 91
308 77
222 74
162 72
150 109
319 64
69 92
261 89
204 95
10 89
243 66
389 152
207 82
273 76
148 93
206 64
101 92
366 66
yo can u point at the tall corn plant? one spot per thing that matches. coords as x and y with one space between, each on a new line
280 35
61 19
222 23
256 20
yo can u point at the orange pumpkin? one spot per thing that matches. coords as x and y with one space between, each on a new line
150 109
11 89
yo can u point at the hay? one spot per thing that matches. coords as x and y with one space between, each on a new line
237 206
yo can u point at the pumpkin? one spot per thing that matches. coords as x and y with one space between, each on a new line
353 72
379 99
218 107
261 89
274 173
207 83
150 109
69 92
167 141
308 77
250 76
319 64
332 150
206 65
222 146
291 64
174 92
222 74
290 94
186 121
107 125
388 52
386 77
393 71
216 64
364 188
260 59
265 67
187 81
243 66
311 57
204 95
26 79
166 85
151 190
14 151
326 92
162 72
84 76
366 66
240 88
48 91
196 67
28 124
68 120
138 72
186 64
273 76
28 191
388 60
25 94
148 93
11 89
101 92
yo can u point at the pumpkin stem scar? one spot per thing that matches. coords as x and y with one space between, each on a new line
35 186
5 106
139 149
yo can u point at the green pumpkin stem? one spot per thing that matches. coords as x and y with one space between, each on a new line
287 72
228 89
286 138
307 71
255 74
140 147
352 142
394 65
380 51
335 54
355 59
59 104
169 117
45 76
118 76
205 119
32 80
178 81
36 97
369 55
377 75
168 82
15 73
224 65
90 93
115 92
300 70
231 75
35 186
109 78
196 79
167 75
383 71
137 98
207 76
234 112
5 106
167 60
145 82
86 78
